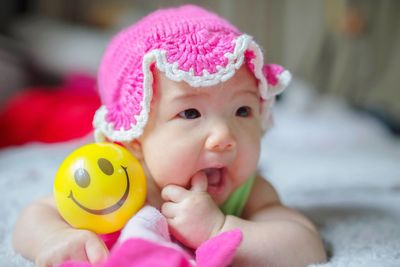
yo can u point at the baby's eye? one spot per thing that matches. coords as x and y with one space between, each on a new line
244 111
189 114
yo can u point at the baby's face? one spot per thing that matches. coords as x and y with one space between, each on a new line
215 130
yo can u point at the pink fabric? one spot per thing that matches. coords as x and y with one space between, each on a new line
110 239
149 224
272 72
145 241
220 250
136 252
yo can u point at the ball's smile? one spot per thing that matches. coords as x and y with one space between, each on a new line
110 209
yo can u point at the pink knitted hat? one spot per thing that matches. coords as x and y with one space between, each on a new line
188 44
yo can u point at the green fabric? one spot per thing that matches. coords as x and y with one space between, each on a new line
235 203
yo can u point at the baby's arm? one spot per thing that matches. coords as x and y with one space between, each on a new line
42 235
273 234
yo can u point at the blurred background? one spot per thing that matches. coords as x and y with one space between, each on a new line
50 51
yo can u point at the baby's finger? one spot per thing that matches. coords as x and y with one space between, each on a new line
174 193
169 210
96 251
173 225
199 182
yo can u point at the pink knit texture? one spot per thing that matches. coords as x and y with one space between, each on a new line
193 39
272 72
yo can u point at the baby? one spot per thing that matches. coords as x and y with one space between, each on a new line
190 97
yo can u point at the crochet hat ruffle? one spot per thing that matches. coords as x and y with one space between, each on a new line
188 44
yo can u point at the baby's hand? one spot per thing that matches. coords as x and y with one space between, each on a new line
192 215
71 244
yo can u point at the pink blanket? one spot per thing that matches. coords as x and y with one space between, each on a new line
145 241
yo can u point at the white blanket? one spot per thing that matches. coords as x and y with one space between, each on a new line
339 167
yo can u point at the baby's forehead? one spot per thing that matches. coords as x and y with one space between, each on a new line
243 79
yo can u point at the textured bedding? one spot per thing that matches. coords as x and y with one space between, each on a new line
339 167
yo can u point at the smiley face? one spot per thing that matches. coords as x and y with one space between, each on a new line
82 178
99 187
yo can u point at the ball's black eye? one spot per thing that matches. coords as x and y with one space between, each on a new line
190 114
105 166
82 177
243 111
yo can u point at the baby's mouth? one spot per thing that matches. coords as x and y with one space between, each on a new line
215 177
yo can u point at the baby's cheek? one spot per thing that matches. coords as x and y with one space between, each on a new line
249 156
169 169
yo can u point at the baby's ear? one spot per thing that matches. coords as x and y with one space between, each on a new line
278 78
135 147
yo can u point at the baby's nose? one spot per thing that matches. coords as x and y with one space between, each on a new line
220 139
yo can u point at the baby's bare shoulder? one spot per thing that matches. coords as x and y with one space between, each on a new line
263 194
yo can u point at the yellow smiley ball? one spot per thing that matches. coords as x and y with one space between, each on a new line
99 187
